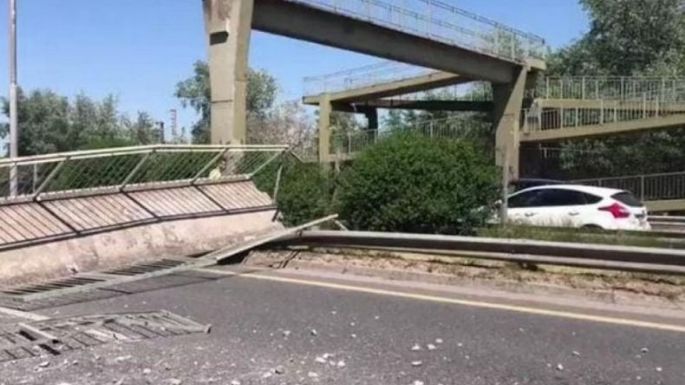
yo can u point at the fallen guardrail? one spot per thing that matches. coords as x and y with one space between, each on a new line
624 258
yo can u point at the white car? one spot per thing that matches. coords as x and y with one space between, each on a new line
577 206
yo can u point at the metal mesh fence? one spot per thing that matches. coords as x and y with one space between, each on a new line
128 168
599 113
348 144
652 187
666 89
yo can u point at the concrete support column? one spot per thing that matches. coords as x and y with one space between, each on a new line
228 24
372 119
325 109
508 100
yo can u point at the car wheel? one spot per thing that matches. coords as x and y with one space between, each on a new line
591 227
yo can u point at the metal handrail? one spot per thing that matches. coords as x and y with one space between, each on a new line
82 154
610 87
442 22
115 169
540 117
647 187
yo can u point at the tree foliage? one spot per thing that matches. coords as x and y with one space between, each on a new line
411 183
195 92
626 38
50 122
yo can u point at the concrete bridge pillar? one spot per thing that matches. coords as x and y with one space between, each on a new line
228 25
325 110
372 118
508 103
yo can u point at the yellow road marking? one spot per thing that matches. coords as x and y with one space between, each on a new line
463 302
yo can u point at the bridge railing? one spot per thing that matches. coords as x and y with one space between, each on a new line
651 187
601 112
612 88
350 143
127 168
437 20
364 76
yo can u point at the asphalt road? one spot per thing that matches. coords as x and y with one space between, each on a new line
267 332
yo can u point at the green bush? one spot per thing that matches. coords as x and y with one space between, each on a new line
410 183
304 193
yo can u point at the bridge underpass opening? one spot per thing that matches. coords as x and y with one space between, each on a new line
426 33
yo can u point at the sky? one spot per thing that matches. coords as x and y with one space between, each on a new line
138 50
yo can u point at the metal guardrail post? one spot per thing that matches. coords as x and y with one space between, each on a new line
49 178
582 88
601 111
135 170
642 188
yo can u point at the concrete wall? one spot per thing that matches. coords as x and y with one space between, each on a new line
136 244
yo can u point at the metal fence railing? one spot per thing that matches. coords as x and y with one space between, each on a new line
364 76
440 21
666 89
388 72
350 143
601 113
651 187
123 169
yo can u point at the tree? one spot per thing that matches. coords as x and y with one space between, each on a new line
51 123
195 92
287 123
411 183
627 37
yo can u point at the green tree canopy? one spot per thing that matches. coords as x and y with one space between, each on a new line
50 122
627 37
195 92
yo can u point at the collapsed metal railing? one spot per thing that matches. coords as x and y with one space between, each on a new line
78 193
127 168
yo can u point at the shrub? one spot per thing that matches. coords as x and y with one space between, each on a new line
305 190
410 183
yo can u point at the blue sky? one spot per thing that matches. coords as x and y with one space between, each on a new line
139 49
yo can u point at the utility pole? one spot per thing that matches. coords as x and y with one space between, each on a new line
14 129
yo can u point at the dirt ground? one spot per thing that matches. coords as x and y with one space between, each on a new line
664 291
